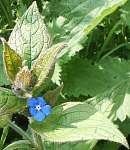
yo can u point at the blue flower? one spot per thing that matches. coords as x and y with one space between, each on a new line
38 108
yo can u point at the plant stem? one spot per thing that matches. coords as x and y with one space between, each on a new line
38 141
3 137
21 132
108 39
115 49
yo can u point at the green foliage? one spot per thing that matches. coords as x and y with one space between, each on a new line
91 73
23 82
86 78
3 77
4 136
12 61
21 144
126 10
56 78
6 15
114 102
87 145
107 146
75 121
44 65
8 105
52 95
72 24
36 39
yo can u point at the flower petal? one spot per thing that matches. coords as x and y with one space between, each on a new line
39 116
32 111
41 101
46 110
32 102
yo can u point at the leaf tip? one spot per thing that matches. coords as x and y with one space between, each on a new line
3 40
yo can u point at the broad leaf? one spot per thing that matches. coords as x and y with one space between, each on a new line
30 36
108 81
75 121
72 24
12 61
81 77
9 104
3 77
45 63
114 102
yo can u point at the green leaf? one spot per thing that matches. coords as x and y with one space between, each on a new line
5 91
88 145
72 24
9 104
114 102
12 61
85 145
21 144
4 120
44 65
30 36
76 121
124 127
81 77
56 78
23 83
52 95
3 77
108 81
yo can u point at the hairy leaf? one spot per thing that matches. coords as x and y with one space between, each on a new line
85 145
114 102
45 63
30 36
75 121
12 61
72 20
23 82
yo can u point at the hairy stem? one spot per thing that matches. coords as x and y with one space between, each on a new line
21 132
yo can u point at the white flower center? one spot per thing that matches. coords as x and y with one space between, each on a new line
38 107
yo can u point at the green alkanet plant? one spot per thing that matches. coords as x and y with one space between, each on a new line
29 59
